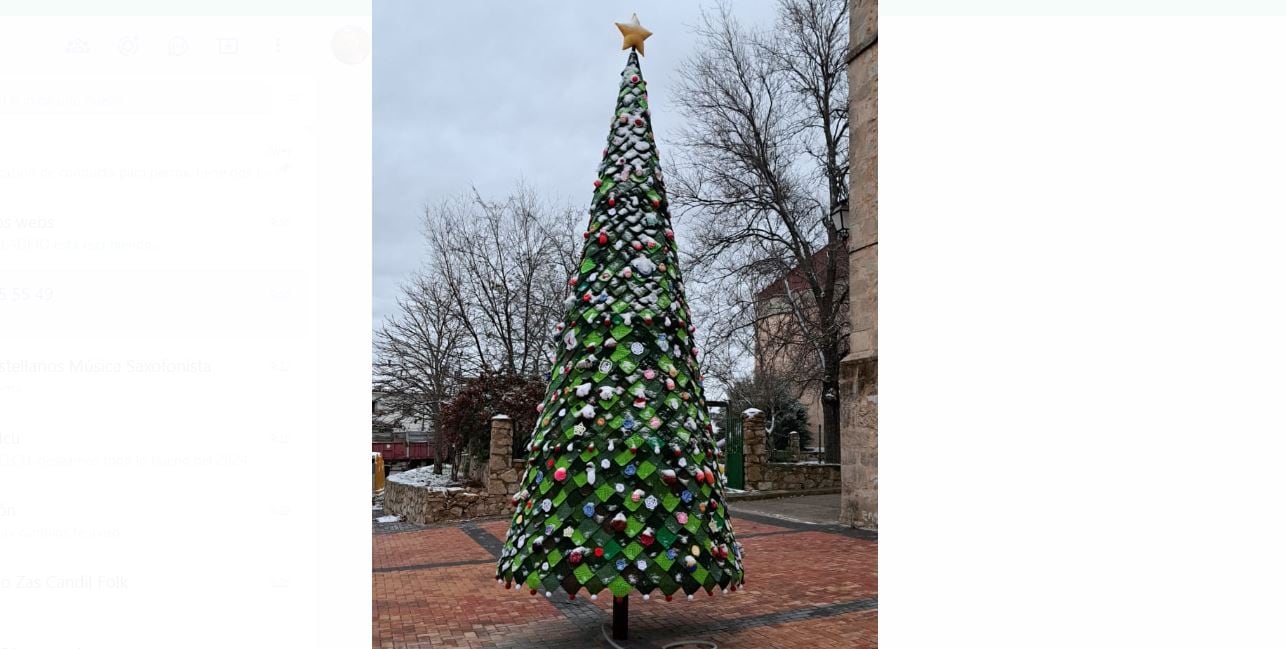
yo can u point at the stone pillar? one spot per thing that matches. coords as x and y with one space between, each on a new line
792 444
502 478
755 443
859 433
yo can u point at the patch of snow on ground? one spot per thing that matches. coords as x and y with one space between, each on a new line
388 519
424 477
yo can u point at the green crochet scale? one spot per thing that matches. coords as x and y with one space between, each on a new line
624 489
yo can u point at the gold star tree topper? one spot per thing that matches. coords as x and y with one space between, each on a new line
633 33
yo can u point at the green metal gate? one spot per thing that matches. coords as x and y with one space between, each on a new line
734 456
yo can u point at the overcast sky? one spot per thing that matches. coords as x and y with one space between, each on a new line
485 93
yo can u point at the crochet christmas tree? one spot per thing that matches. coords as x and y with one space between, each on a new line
624 489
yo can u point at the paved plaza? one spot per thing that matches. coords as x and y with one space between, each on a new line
809 583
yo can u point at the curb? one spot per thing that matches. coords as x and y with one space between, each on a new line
778 493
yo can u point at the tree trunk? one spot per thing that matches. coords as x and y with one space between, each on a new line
830 418
830 400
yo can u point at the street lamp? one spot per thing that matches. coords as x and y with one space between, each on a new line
839 218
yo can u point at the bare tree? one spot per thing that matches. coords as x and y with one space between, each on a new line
418 355
486 301
505 264
763 163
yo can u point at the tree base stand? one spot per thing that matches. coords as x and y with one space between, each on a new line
621 623
621 618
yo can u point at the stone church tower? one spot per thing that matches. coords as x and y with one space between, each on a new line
859 437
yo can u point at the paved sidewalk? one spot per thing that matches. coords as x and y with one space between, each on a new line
810 583
820 510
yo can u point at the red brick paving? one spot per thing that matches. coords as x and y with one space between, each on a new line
808 588
433 545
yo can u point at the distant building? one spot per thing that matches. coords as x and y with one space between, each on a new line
859 432
780 347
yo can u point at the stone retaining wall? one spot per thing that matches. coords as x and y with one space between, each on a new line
424 505
762 475
799 476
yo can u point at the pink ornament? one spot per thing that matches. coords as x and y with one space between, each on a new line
560 474
682 517
649 374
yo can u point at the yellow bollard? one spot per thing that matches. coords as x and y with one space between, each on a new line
377 466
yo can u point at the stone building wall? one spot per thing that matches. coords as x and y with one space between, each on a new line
859 432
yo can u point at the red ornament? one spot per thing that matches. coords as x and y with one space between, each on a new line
549 464
669 234
598 552
598 182
587 297
634 78
668 598
585 235
602 236
638 122
656 203
533 591
572 281
574 558
611 201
